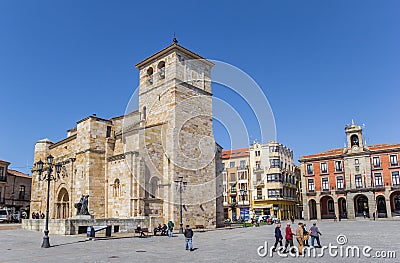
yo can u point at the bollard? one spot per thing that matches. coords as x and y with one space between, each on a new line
108 231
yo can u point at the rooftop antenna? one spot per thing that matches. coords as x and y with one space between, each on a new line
352 122
175 40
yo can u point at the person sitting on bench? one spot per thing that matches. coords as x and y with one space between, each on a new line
164 230
158 229
140 231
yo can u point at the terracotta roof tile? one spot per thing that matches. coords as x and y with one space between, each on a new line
19 174
242 152
337 151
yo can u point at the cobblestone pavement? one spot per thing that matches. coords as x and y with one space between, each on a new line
225 245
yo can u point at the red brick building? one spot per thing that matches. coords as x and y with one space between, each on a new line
354 181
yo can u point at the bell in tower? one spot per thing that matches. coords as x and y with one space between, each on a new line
354 137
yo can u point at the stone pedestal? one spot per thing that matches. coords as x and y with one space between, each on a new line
82 217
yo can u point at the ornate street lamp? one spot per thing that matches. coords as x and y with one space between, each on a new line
180 184
243 193
49 177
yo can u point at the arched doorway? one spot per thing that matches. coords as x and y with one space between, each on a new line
312 205
381 206
62 204
342 207
361 206
327 207
395 203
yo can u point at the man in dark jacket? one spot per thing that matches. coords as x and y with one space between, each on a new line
189 235
278 236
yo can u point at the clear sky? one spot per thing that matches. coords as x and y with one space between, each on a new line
320 63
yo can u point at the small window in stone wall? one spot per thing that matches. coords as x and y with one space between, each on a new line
161 69
116 188
108 132
150 75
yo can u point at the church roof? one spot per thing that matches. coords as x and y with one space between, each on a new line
173 46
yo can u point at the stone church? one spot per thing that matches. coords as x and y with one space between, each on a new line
150 163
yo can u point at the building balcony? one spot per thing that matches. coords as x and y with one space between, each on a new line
233 193
396 187
258 170
311 193
260 198
340 191
242 168
258 182
325 192
243 203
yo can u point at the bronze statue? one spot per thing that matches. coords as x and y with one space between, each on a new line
82 206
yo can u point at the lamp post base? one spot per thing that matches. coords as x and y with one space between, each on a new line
181 228
46 240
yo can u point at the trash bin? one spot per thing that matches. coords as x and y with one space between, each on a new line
108 231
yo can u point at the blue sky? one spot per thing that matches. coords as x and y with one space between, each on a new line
320 63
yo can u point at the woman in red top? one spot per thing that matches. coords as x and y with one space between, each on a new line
289 238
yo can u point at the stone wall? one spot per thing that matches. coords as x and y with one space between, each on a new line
71 226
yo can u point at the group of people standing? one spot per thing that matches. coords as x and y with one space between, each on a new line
37 215
302 236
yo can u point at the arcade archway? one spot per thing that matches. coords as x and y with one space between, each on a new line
361 207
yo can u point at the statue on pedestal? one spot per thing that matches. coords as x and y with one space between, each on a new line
82 206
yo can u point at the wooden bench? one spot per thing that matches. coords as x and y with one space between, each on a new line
144 231
201 227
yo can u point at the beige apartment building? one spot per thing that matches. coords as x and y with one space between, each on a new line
274 181
261 180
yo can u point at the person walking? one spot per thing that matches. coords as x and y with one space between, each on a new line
189 238
292 219
170 228
315 235
299 237
278 236
289 238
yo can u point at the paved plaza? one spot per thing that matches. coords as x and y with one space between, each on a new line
224 245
